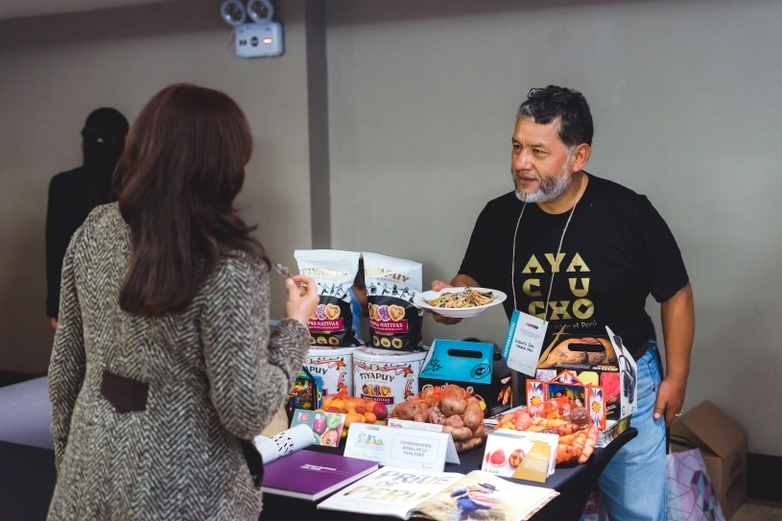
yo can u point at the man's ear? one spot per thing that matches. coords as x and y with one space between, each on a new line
581 156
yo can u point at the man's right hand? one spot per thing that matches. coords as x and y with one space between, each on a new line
438 285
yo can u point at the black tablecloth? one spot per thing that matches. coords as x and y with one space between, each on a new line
574 485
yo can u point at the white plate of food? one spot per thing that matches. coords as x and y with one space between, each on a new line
459 302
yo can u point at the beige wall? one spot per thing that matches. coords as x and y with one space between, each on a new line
421 98
54 70
685 96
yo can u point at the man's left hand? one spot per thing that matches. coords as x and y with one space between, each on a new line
670 399
678 319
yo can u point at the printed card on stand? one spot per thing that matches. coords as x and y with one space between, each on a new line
520 454
409 424
503 454
408 448
524 342
451 456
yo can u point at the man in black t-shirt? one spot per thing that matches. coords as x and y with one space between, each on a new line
583 252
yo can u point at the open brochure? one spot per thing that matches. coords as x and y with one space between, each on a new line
442 496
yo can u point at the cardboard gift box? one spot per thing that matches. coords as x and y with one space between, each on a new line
471 365
723 444
601 361
565 391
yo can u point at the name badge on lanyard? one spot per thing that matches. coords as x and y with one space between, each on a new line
524 342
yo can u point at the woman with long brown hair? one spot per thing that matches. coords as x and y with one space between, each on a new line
163 360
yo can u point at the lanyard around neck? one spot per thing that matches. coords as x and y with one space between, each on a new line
559 250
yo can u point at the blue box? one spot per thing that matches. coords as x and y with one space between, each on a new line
476 366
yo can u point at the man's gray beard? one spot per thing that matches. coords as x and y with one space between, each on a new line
549 189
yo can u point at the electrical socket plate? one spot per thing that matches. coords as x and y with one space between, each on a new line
255 40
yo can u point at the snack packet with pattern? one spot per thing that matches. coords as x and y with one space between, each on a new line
392 283
334 272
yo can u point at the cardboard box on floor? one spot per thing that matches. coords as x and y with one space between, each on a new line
723 444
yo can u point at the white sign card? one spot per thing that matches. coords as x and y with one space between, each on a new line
628 378
407 448
451 456
524 342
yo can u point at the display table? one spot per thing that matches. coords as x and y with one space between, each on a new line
574 485
27 473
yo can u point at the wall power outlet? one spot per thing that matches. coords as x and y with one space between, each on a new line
255 40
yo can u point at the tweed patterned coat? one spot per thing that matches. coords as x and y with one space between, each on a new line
215 375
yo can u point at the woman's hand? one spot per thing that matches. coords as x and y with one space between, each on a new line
302 300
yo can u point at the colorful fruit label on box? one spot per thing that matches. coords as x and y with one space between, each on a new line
597 406
326 426
559 396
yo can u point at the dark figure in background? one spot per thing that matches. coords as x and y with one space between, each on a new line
73 194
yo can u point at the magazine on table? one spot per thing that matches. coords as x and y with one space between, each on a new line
442 496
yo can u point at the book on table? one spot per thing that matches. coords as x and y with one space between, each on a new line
398 492
311 475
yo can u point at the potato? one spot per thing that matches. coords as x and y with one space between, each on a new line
410 410
451 405
473 416
457 410
455 421
436 415
464 446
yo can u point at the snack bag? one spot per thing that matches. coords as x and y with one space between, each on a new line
394 321
334 271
